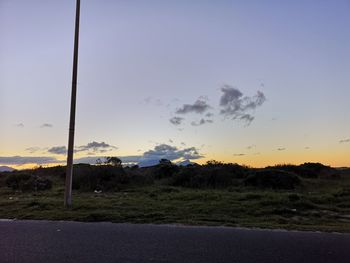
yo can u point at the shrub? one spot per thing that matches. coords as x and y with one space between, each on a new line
186 177
275 179
138 176
307 170
27 182
103 177
164 170
214 163
41 184
16 181
217 178
208 176
59 171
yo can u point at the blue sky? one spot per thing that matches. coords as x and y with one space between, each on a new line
140 62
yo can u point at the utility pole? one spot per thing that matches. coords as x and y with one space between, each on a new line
69 174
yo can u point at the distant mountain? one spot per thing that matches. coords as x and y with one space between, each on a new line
147 163
186 162
6 169
153 162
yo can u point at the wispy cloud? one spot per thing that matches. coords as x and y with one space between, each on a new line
46 125
33 149
58 150
199 106
201 122
95 147
247 118
91 148
19 125
20 160
250 147
238 154
344 141
152 101
281 149
176 120
235 106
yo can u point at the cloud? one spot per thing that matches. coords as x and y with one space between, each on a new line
307 148
199 106
201 122
148 158
247 118
209 114
126 160
164 151
91 148
58 150
344 141
46 125
176 120
95 147
19 125
239 154
151 157
152 101
281 149
20 160
33 149
251 146
234 105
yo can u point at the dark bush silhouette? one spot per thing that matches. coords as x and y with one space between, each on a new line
213 175
114 161
59 171
137 177
275 179
307 170
164 169
214 163
186 177
101 177
165 161
27 182
16 181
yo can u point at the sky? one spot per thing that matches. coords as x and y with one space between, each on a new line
250 82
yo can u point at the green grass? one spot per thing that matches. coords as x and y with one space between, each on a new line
322 205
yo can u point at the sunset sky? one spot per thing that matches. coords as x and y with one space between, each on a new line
253 82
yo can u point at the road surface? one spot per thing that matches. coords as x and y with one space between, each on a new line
50 241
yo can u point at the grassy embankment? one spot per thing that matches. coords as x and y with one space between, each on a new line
316 204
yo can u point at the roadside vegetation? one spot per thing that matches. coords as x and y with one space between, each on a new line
310 196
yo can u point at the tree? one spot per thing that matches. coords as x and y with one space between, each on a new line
114 161
164 161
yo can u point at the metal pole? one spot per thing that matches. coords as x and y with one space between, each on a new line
69 174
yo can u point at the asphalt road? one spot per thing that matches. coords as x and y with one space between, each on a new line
48 241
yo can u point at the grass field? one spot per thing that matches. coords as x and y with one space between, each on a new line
319 204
